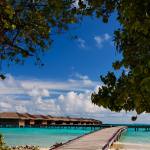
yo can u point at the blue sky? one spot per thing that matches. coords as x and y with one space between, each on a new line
71 73
91 54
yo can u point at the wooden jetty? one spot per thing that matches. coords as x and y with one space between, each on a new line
98 140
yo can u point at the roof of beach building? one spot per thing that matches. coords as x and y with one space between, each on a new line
41 117
15 115
73 119
10 115
26 116
58 118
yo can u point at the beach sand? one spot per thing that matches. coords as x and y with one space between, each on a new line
130 146
44 148
124 146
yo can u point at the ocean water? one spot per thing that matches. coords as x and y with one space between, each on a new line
136 137
43 137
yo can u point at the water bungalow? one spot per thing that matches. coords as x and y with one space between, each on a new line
14 119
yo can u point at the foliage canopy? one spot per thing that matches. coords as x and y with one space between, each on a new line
27 28
131 90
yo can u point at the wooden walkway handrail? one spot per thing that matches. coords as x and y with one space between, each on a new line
114 138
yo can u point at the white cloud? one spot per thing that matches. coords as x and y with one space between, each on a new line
107 37
101 39
98 40
41 87
96 89
78 104
39 92
81 42
69 103
5 105
75 4
82 79
20 108
38 95
40 99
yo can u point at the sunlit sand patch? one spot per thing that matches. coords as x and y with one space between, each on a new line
44 148
130 146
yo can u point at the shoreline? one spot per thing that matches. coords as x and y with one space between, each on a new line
120 145
44 148
130 146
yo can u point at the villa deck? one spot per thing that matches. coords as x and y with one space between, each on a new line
99 140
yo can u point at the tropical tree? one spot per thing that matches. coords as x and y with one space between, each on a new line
131 90
27 28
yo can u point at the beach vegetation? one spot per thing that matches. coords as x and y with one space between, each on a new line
3 146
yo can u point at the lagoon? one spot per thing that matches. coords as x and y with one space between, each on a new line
43 137
46 137
133 140
139 137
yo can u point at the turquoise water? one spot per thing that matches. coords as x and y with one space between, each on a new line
46 137
137 137
43 137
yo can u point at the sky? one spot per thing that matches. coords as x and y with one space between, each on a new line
63 86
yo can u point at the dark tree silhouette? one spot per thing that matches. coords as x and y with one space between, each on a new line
26 28
130 91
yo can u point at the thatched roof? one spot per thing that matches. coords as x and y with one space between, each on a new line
40 117
10 115
27 116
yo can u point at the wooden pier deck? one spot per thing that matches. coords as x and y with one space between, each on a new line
99 140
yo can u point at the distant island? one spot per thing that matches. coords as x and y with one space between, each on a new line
14 119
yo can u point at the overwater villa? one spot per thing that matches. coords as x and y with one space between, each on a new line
14 119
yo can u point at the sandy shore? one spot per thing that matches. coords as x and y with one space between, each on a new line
27 148
124 146
130 146
44 148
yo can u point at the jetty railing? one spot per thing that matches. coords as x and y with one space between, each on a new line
115 137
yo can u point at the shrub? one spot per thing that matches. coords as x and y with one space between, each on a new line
3 146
